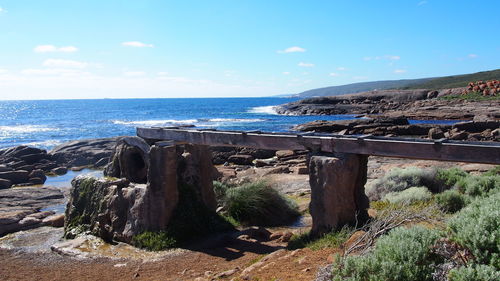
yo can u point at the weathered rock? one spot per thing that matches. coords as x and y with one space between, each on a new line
83 152
36 181
241 159
436 133
130 160
38 174
54 220
337 191
4 168
476 127
178 191
15 177
19 203
5 183
60 171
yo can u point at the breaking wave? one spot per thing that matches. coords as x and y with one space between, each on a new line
271 109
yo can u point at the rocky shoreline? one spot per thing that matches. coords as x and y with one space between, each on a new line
400 126
412 104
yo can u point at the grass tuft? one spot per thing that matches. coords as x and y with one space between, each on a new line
259 204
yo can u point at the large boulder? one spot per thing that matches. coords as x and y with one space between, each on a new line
337 191
83 152
178 198
130 160
16 177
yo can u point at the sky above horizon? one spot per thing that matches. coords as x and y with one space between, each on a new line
168 49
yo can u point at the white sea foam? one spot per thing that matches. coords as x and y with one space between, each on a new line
271 109
236 120
19 129
155 122
44 144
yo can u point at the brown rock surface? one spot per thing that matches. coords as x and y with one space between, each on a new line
337 191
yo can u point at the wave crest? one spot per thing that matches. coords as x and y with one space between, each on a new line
270 109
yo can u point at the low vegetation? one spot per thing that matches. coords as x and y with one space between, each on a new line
333 239
471 96
471 228
258 204
403 254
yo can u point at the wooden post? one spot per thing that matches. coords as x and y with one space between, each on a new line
337 191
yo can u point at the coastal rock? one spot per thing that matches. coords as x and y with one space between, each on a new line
178 190
130 160
60 171
18 207
83 152
5 183
337 191
15 177
241 159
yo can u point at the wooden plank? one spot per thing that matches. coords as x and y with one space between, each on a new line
478 152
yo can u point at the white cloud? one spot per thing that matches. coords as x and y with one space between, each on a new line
341 68
134 73
2 10
393 57
294 49
60 63
399 71
53 72
305 64
162 73
68 49
53 49
3 71
137 44
333 74
472 56
286 73
422 3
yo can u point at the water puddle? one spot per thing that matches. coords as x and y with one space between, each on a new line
64 183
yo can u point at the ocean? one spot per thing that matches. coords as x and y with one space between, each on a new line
47 123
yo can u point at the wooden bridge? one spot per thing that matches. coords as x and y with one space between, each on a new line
338 165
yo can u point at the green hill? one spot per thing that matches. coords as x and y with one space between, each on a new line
455 81
433 83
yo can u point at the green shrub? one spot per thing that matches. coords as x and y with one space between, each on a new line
330 240
220 190
259 204
400 179
451 201
479 185
154 241
493 172
410 195
403 254
477 227
474 273
449 177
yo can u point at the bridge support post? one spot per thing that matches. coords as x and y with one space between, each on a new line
337 191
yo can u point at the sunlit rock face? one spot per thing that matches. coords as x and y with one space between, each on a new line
177 190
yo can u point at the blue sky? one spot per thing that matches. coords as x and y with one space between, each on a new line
126 49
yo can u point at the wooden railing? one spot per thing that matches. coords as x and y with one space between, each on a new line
443 149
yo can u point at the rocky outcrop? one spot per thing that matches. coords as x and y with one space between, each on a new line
222 154
337 191
385 126
413 104
24 165
19 207
92 152
129 159
177 197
